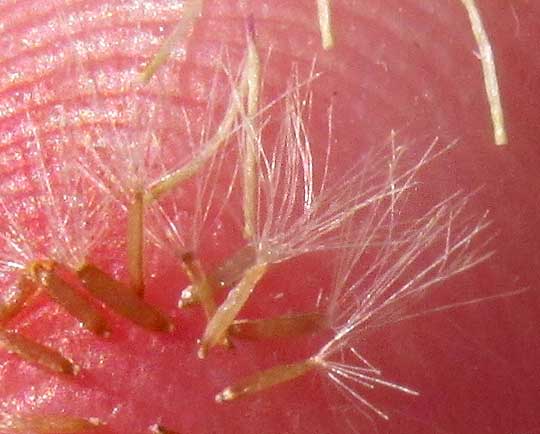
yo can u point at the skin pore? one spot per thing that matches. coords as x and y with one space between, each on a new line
403 66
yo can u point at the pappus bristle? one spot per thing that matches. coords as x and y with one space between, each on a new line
67 217
190 165
122 148
72 208
68 207
180 220
177 224
394 275
296 214
391 263
120 155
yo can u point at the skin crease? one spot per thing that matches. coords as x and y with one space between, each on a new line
408 66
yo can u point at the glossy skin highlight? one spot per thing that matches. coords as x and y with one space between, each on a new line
406 66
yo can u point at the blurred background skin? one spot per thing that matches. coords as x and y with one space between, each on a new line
408 66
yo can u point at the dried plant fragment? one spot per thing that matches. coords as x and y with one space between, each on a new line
45 274
192 11
54 424
281 327
490 73
325 23
35 353
122 300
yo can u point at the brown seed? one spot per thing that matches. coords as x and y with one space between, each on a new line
45 274
280 327
36 353
52 424
265 379
122 300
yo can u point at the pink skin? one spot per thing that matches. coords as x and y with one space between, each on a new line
397 65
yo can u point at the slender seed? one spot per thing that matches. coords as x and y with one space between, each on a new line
265 379
53 424
122 300
36 353
280 327
135 243
216 329
45 274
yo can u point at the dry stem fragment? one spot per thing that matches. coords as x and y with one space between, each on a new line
45 274
325 23
192 11
122 300
135 243
54 424
266 379
36 353
283 326
216 329
490 74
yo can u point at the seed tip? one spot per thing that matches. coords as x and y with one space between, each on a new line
156 429
95 421
203 351
75 369
225 395
186 297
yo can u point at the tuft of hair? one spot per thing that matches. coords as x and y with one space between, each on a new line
74 212
299 211
395 262
177 224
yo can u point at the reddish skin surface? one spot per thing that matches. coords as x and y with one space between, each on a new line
395 66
